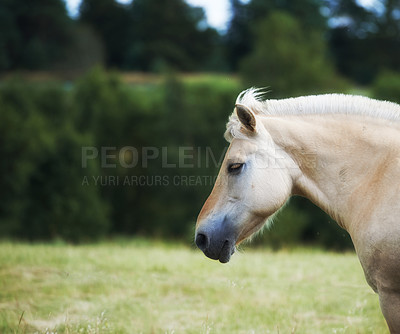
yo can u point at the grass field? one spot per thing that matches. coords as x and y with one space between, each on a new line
143 287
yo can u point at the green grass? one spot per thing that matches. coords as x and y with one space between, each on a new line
143 287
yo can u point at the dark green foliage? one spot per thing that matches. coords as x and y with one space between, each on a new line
367 40
168 33
387 87
110 20
240 39
21 139
289 58
117 117
150 35
34 34
41 183
349 30
61 205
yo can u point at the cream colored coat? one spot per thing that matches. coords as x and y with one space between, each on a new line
341 152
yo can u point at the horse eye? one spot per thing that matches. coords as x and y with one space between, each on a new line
235 168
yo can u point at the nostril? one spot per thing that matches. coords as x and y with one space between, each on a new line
202 241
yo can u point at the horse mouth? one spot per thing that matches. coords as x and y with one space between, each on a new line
226 252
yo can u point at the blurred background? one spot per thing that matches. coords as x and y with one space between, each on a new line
112 113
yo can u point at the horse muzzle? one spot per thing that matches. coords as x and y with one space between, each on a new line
217 240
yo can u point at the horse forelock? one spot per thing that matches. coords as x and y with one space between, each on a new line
252 99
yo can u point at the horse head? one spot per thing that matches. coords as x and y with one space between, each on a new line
254 181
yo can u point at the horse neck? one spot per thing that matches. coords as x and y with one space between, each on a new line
341 160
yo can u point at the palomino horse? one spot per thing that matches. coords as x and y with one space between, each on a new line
340 151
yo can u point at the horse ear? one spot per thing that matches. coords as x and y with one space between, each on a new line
246 117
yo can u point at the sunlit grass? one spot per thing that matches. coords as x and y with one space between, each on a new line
143 287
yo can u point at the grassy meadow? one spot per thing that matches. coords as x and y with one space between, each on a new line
150 287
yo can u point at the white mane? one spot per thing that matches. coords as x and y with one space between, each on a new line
313 104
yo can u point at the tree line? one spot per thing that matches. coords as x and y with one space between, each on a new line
150 35
105 158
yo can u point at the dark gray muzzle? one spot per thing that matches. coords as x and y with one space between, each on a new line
216 239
